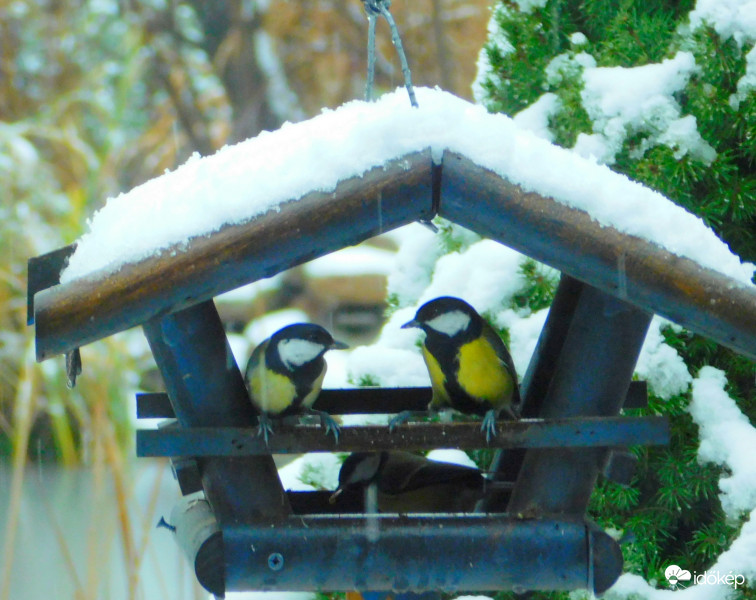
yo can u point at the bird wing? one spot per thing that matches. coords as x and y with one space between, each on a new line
440 397
504 356
254 362
404 472
317 385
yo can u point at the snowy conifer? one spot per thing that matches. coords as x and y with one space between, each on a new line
665 93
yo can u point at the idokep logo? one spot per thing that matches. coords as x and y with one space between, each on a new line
675 575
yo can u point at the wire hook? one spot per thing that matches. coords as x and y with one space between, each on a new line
375 8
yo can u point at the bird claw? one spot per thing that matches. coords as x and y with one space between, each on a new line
328 423
265 427
400 419
514 412
331 426
489 425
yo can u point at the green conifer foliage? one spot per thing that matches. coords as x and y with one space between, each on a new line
671 514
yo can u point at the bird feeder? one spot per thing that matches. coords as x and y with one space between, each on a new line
243 531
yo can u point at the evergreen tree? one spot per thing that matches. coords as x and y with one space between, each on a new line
681 118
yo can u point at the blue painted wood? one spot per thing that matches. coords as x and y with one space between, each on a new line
43 272
206 389
415 553
77 313
590 377
535 382
585 432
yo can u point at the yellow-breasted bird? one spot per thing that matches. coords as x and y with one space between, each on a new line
470 368
285 373
407 482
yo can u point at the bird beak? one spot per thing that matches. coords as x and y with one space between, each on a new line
337 345
335 495
410 324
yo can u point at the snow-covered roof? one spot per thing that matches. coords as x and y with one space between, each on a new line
243 181
286 197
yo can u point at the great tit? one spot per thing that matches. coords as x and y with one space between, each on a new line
285 373
407 482
470 367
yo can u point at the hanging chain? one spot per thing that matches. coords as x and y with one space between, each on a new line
374 9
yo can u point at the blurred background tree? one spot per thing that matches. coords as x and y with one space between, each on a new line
98 96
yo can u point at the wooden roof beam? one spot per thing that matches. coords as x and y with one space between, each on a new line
407 189
630 268
79 312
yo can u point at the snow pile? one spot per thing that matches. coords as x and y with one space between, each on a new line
528 6
501 45
734 19
625 101
727 438
457 457
568 66
746 84
660 365
315 470
729 18
536 117
413 264
349 262
248 179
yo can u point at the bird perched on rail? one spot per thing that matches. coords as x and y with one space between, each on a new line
407 482
285 373
470 368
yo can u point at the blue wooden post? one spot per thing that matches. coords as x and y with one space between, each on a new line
590 377
206 388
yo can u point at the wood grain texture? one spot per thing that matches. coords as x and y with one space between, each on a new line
627 267
82 311
585 432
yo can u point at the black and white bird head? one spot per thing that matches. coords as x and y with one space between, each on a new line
359 470
446 316
298 345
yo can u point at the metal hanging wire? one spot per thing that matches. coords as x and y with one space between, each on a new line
374 9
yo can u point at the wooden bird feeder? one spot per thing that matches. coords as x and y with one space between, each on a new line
247 533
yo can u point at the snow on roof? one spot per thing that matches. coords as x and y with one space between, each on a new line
245 180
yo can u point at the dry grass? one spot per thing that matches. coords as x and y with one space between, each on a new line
23 419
